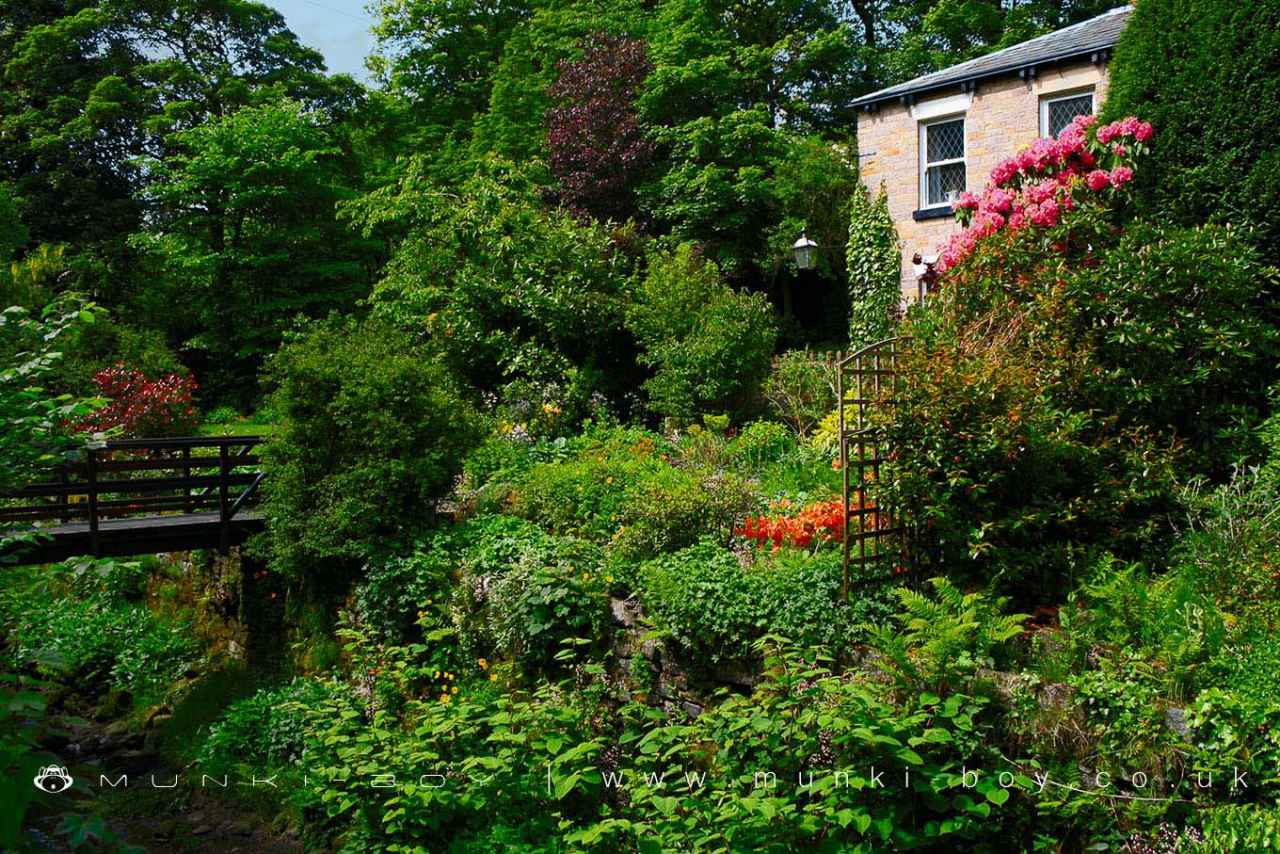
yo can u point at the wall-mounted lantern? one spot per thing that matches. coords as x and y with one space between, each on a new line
806 252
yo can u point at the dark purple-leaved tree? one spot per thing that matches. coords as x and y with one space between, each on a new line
598 149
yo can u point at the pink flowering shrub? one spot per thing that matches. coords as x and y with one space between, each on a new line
1086 165
142 407
1075 367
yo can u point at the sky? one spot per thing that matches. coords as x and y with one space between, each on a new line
339 29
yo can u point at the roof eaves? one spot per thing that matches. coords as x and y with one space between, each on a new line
894 93
1016 61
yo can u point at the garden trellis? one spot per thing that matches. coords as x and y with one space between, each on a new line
869 381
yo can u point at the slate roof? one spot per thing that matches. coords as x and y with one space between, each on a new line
1078 40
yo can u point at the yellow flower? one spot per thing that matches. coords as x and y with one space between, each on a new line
608 579
453 690
435 675
448 675
444 698
493 677
484 665
609 479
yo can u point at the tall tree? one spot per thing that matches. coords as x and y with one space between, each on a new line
90 87
246 235
66 155
440 55
598 149
738 94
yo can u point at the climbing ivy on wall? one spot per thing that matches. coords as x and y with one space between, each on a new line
874 270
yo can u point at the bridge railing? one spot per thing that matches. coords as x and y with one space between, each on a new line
144 477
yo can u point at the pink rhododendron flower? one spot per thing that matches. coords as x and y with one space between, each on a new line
1047 179
1004 172
1045 214
998 199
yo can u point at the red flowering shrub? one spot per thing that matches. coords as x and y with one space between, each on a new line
142 407
1085 165
819 522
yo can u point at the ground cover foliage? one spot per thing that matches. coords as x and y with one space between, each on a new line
553 497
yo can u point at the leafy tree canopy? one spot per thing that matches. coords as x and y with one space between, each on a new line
247 234
505 288
91 87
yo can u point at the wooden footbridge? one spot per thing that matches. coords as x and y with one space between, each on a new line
139 496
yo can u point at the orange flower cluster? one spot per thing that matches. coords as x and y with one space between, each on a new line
818 522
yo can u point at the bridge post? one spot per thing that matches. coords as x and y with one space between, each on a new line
91 465
224 508
186 478
64 481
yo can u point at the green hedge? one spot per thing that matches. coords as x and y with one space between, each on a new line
1206 74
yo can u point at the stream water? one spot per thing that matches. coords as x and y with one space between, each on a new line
145 803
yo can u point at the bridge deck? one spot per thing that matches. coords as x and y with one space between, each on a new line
140 535
140 496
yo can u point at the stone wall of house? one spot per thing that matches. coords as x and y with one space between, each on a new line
1001 116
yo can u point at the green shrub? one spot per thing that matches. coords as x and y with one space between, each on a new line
222 415
1237 827
1247 666
801 719
1168 619
1231 545
1058 398
505 289
111 342
715 607
374 432
492 544
708 346
505 454
801 389
1124 722
760 444
621 486
262 731
940 642
1231 731
1215 103
875 268
522 593
671 508
394 590
97 642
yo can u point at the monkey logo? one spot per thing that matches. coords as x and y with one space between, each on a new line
53 779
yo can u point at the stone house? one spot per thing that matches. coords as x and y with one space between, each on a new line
938 135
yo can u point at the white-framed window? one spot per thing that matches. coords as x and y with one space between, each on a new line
1057 111
942 167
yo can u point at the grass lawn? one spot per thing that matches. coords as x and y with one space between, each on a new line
239 427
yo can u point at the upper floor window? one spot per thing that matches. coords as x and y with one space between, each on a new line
1057 113
942 169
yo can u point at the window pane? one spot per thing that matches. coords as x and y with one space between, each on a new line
1062 112
943 179
945 141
